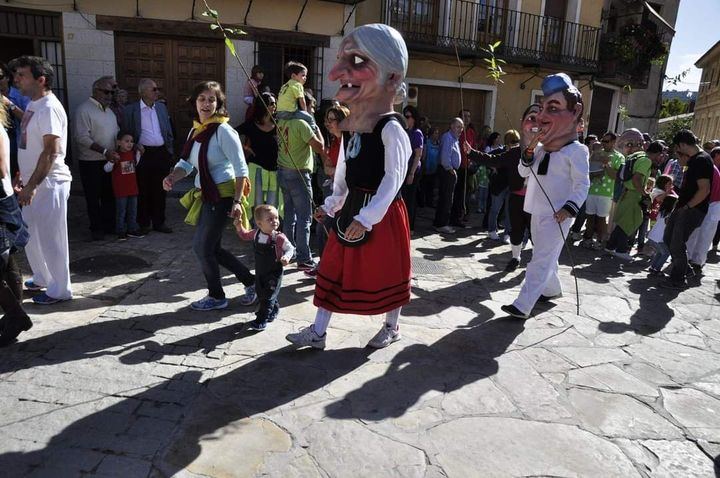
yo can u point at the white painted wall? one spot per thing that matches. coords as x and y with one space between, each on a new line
235 79
329 56
89 54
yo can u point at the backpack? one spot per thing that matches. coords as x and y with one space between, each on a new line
626 171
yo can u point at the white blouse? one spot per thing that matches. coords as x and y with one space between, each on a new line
397 156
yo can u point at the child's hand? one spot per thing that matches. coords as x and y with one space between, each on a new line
284 261
237 222
319 214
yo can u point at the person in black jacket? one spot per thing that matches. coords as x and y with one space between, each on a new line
507 162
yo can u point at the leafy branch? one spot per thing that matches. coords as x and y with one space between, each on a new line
216 25
494 64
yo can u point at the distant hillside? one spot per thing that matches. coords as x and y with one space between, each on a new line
684 96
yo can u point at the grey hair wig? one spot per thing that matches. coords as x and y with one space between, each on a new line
386 47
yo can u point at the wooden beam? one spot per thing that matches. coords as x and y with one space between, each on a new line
202 30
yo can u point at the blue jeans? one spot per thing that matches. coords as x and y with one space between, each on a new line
496 203
126 214
297 195
481 195
662 252
206 245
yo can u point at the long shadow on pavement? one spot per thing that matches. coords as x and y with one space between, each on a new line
461 357
275 379
92 340
272 380
653 312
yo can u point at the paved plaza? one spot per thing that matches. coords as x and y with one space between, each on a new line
125 380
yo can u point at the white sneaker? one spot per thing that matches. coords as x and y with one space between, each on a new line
307 337
506 239
384 337
493 235
445 230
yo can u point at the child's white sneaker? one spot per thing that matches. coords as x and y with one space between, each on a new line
384 337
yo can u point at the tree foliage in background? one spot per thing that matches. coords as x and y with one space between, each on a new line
667 132
672 107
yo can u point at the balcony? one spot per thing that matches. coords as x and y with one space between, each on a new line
532 40
635 38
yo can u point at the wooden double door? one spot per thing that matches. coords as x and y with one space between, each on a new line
175 64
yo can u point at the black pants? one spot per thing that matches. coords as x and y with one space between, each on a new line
579 220
409 194
447 182
428 185
12 279
716 239
207 248
457 213
618 241
99 197
154 165
680 224
519 219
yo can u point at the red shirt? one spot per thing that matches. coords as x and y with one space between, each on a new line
468 135
123 175
334 150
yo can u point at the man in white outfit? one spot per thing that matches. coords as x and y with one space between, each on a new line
559 168
46 178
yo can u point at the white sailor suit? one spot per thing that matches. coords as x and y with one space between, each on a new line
564 176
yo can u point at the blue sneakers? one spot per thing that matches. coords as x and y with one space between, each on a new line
44 299
209 303
31 285
250 296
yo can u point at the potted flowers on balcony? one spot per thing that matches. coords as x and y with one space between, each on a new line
633 49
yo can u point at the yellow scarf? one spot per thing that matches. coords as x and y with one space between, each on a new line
200 127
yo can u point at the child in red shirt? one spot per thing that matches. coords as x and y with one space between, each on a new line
125 187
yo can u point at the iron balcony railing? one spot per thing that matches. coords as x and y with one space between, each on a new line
441 25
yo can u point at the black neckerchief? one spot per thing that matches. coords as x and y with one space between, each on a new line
543 166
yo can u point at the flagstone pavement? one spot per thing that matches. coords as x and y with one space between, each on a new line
125 380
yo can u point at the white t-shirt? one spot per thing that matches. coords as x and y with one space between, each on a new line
42 117
6 180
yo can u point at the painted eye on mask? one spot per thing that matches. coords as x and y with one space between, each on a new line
358 60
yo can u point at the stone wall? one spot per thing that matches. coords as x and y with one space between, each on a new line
89 54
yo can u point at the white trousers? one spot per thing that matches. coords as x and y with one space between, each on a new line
541 275
47 251
701 238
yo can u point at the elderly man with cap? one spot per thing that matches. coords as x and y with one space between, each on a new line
558 183
629 213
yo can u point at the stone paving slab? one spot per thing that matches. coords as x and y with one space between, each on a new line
126 380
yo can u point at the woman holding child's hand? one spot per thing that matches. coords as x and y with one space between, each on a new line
213 148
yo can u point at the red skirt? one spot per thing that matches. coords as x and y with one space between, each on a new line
370 279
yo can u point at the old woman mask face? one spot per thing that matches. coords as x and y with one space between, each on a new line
370 66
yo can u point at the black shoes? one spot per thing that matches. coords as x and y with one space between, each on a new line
548 298
513 311
512 265
163 228
12 326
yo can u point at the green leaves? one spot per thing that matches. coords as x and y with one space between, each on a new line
494 64
230 46
210 12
